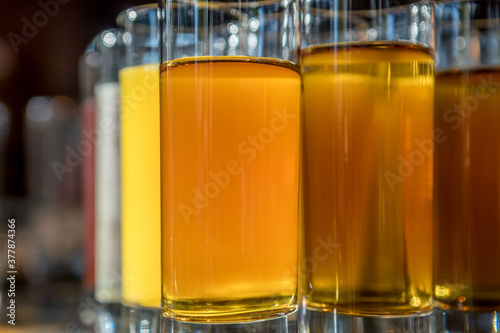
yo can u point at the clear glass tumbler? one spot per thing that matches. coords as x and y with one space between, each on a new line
88 74
230 118
107 187
467 164
140 157
368 78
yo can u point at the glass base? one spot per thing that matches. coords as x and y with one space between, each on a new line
108 318
285 324
140 320
229 310
474 322
320 322
87 310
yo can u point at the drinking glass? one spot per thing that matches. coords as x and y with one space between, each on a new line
230 119
106 136
140 157
88 74
368 84
467 160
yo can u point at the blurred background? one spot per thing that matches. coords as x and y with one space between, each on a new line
40 173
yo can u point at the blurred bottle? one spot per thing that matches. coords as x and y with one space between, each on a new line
53 156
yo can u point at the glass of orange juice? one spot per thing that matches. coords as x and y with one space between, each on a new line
140 165
368 76
230 118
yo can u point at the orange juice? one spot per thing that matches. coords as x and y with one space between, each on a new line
230 159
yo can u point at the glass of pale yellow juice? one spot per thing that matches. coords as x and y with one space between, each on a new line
140 151
230 119
368 77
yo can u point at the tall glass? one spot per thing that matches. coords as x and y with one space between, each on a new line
368 76
140 148
230 117
88 74
108 277
467 189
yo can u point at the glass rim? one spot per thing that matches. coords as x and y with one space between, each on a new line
371 12
438 2
220 4
487 20
107 39
124 16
